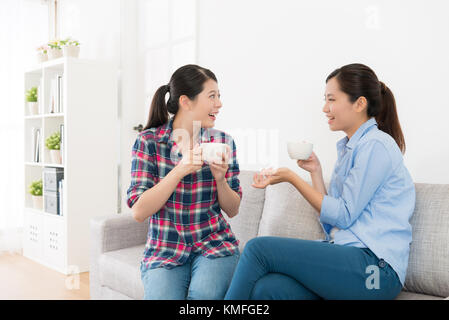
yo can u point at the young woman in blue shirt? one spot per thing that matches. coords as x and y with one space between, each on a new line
365 212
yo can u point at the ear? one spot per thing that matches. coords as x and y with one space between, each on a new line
361 104
185 103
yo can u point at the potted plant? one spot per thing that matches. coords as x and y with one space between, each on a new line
54 50
70 47
31 98
53 143
35 190
42 53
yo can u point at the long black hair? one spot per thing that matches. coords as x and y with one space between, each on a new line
187 80
358 80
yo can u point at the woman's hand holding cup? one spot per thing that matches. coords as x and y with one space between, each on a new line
312 164
191 162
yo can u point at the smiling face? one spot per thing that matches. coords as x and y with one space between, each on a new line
343 114
206 105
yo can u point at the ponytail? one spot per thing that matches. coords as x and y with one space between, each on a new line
158 110
387 118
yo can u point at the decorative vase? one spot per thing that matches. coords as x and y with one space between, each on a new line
54 53
37 202
55 156
71 51
42 57
33 108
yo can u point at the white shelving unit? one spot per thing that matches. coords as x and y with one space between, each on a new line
90 154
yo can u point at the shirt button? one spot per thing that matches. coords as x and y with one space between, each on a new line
382 263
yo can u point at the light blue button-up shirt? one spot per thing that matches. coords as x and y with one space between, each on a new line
371 197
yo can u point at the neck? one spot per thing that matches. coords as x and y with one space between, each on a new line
187 125
350 132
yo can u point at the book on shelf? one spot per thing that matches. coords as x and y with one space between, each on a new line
55 101
35 144
59 93
61 192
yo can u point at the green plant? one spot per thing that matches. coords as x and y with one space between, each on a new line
55 44
31 95
53 142
69 42
35 188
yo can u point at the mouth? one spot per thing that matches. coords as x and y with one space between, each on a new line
330 119
213 115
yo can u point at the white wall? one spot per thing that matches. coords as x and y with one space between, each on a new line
272 57
21 31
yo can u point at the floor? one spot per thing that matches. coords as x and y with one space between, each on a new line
25 279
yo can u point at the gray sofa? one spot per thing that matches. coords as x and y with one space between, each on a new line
117 241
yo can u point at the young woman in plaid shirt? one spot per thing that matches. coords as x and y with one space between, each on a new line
191 251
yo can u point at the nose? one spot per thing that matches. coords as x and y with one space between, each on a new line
326 108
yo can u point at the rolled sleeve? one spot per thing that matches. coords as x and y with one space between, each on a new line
372 165
143 170
329 210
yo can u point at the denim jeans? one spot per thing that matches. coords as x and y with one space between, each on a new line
200 278
294 269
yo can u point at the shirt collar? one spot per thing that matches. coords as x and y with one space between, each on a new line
165 133
350 143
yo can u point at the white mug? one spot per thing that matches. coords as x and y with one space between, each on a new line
210 150
299 150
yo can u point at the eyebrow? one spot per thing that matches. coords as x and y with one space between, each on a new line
214 91
329 94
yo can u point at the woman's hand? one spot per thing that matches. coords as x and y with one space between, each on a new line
219 168
191 162
270 177
311 165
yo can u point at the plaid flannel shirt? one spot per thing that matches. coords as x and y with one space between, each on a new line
191 220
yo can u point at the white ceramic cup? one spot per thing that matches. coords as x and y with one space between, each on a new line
299 150
210 150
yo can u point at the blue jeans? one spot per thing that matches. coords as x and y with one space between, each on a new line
200 278
294 269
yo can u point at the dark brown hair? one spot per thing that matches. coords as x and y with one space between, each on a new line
358 80
187 80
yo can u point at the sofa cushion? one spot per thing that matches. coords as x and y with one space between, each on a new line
246 224
120 271
287 214
429 253
405 295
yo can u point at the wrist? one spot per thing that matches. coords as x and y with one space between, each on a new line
289 176
178 172
317 173
221 182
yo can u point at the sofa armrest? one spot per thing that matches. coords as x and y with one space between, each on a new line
116 232
110 233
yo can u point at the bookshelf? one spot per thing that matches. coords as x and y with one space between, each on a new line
86 117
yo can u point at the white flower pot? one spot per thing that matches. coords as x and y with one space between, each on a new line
33 108
42 57
54 53
37 202
71 51
55 156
